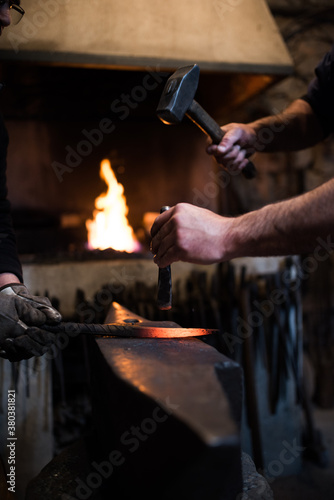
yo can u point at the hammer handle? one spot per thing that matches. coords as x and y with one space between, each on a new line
164 299
205 122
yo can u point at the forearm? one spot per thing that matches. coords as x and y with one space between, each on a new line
6 278
297 127
293 226
296 226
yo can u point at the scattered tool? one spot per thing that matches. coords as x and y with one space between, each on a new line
134 328
164 299
177 100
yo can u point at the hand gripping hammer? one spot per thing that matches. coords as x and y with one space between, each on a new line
177 100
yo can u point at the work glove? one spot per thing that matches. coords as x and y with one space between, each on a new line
20 316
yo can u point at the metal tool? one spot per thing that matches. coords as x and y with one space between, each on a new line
134 328
164 299
177 100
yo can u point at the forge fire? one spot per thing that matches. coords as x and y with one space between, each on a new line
109 227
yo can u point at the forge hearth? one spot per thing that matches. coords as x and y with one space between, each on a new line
66 112
57 145
68 119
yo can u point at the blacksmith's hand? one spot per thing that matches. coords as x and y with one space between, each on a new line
190 234
21 314
236 146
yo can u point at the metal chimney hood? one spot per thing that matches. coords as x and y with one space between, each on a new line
234 39
219 35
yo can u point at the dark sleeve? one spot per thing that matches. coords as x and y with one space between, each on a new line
9 260
320 94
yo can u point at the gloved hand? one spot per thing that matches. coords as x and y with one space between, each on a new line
20 316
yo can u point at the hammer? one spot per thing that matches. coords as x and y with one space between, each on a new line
177 100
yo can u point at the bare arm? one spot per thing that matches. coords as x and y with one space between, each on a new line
192 234
295 128
292 226
7 278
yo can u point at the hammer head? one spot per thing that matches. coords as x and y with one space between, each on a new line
178 94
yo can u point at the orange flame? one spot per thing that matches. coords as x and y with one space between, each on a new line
110 227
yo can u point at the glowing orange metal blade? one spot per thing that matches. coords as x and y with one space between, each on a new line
130 330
